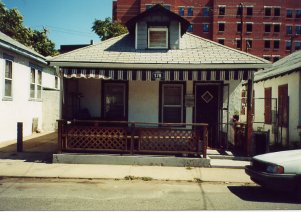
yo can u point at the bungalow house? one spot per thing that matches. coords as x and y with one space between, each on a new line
278 101
29 90
166 88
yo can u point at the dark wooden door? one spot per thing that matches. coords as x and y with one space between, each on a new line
206 111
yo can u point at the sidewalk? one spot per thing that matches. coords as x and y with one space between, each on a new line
35 161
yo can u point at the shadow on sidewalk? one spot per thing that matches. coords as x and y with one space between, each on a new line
260 194
36 148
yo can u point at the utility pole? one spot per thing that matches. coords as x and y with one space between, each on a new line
241 6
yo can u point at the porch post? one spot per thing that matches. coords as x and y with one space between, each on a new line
61 77
60 133
249 126
205 141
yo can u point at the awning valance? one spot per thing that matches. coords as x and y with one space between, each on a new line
164 75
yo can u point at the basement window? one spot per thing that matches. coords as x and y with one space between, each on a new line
158 37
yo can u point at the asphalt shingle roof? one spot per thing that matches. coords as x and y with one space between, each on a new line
193 50
283 66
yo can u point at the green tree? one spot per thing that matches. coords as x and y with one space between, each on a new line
11 24
107 29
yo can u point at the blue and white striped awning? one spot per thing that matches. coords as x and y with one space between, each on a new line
164 75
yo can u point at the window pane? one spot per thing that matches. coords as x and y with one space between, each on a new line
157 39
249 44
190 28
289 30
249 11
277 28
8 69
114 99
205 11
276 11
297 45
33 76
298 30
267 44
222 10
39 92
249 27
190 11
172 114
32 90
221 27
298 13
267 28
206 28
276 44
289 13
181 11
268 11
288 45
172 95
8 88
39 78
238 27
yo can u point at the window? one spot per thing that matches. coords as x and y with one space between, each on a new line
166 6
297 45
267 44
298 13
222 10
206 11
172 108
298 30
148 6
276 28
249 11
190 28
35 83
56 82
275 58
238 43
221 41
249 27
221 26
115 101
205 27
277 11
276 44
267 57
158 37
8 78
288 45
238 27
239 11
190 11
289 30
249 43
268 105
283 105
289 13
267 27
267 11
181 11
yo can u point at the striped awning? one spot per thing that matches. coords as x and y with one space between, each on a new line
164 75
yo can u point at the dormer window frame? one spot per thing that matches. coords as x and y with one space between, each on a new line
158 29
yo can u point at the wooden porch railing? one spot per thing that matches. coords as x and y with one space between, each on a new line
132 137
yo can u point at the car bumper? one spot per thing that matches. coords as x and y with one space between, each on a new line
281 182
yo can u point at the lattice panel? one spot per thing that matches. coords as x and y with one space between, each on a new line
162 140
96 138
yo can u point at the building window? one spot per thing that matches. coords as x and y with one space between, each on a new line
289 30
298 30
190 28
277 11
297 45
8 78
283 105
190 11
35 84
276 44
239 11
267 11
221 27
267 57
289 13
267 44
221 41
249 44
249 11
267 27
268 105
206 11
238 43
56 82
288 45
276 58
181 11
205 27
238 27
158 37
276 28
222 10
298 13
148 6
249 27
172 107
166 6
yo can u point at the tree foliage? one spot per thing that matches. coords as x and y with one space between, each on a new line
107 29
11 24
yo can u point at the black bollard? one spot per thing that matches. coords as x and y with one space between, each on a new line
20 137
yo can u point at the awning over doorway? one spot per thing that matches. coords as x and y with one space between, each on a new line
153 75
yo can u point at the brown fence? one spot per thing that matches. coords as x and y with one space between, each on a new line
132 137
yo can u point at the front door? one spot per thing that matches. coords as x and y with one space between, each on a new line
207 110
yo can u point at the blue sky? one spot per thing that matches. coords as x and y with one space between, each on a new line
68 21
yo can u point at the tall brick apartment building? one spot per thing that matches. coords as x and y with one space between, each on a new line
270 28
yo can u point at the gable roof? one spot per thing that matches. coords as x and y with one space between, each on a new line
157 9
283 66
194 53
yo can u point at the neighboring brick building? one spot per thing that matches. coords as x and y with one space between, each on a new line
271 28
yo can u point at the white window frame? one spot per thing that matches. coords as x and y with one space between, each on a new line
164 85
158 29
8 79
36 84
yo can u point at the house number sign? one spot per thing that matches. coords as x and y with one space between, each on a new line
158 75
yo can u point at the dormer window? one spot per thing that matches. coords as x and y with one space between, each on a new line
158 37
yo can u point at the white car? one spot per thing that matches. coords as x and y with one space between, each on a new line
277 171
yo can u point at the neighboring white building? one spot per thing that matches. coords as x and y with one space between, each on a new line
278 91
25 82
